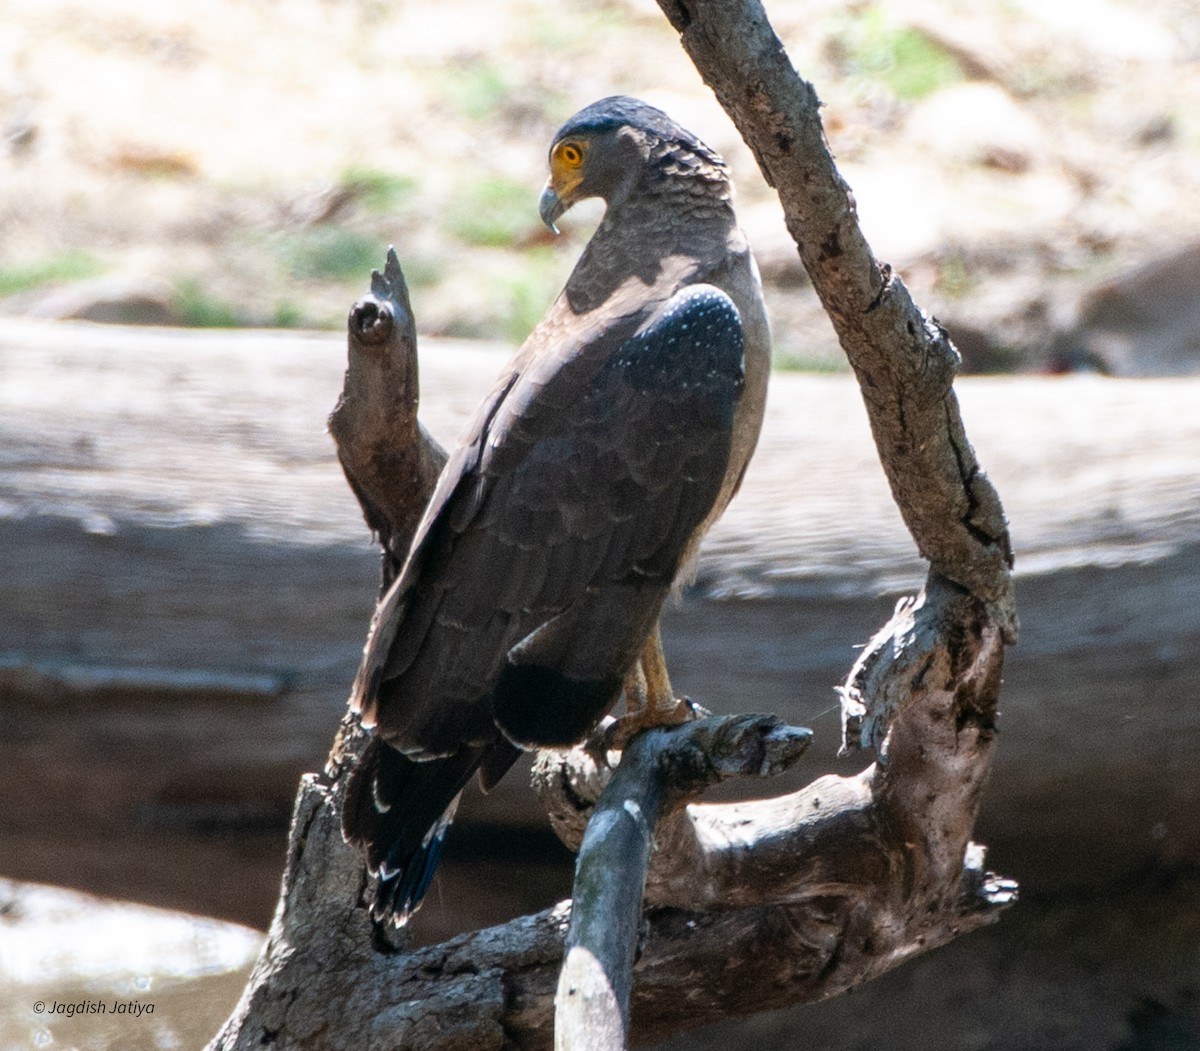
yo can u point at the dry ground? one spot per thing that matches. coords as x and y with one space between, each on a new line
230 163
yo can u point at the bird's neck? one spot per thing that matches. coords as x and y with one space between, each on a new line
666 232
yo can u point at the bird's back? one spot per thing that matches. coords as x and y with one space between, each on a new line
585 482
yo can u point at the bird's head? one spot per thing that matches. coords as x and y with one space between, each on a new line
604 148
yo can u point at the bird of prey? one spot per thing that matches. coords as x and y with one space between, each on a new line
578 494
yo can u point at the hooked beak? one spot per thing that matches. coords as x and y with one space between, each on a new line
550 206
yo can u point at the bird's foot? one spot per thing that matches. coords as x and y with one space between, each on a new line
675 713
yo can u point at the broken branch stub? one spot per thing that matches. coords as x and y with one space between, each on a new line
390 461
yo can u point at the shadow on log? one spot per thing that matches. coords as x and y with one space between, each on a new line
752 905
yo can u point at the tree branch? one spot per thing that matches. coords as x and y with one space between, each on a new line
752 906
658 772
390 461
868 870
904 361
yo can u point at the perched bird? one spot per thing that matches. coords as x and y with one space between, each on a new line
579 493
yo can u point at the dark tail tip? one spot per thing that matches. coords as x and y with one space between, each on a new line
398 811
401 888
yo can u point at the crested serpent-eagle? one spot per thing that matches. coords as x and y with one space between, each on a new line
578 494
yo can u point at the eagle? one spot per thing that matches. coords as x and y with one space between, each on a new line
576 498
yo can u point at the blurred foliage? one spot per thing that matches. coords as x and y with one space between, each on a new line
954 278
530 291
199 308
479 91
421 270
288 315
329 252
902 58
513 298
784 361
494 212
64 266
379 192
565 29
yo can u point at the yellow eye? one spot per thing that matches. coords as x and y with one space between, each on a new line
570 154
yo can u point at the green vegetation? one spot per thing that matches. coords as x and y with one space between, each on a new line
493 212
62 267
905 60
420 270
507 304
782 361
567 30
199 308
531 291
288 315
330 253
954 279
478 92
379 192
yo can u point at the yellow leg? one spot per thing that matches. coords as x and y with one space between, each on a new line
637 690
649 699
661 704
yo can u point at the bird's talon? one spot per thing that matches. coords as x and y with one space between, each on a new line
623 730
698 711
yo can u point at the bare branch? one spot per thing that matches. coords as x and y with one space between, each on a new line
904 361
391 462
754 905
659 771
321 985
901 827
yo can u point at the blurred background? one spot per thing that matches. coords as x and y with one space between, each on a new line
191 197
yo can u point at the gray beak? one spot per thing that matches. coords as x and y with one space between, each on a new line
550 206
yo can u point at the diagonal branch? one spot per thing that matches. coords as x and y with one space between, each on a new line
659 771
904 361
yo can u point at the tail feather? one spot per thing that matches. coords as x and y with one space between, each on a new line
405 877
398 810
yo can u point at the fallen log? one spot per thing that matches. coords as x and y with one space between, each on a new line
173 501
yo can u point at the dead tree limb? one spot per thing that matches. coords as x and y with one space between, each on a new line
904 361
390 461
658 773
869 870
750 906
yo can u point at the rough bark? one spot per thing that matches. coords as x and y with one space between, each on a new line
658 772
391 462
904 361
753 905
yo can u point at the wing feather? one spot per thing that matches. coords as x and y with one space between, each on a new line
584 481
